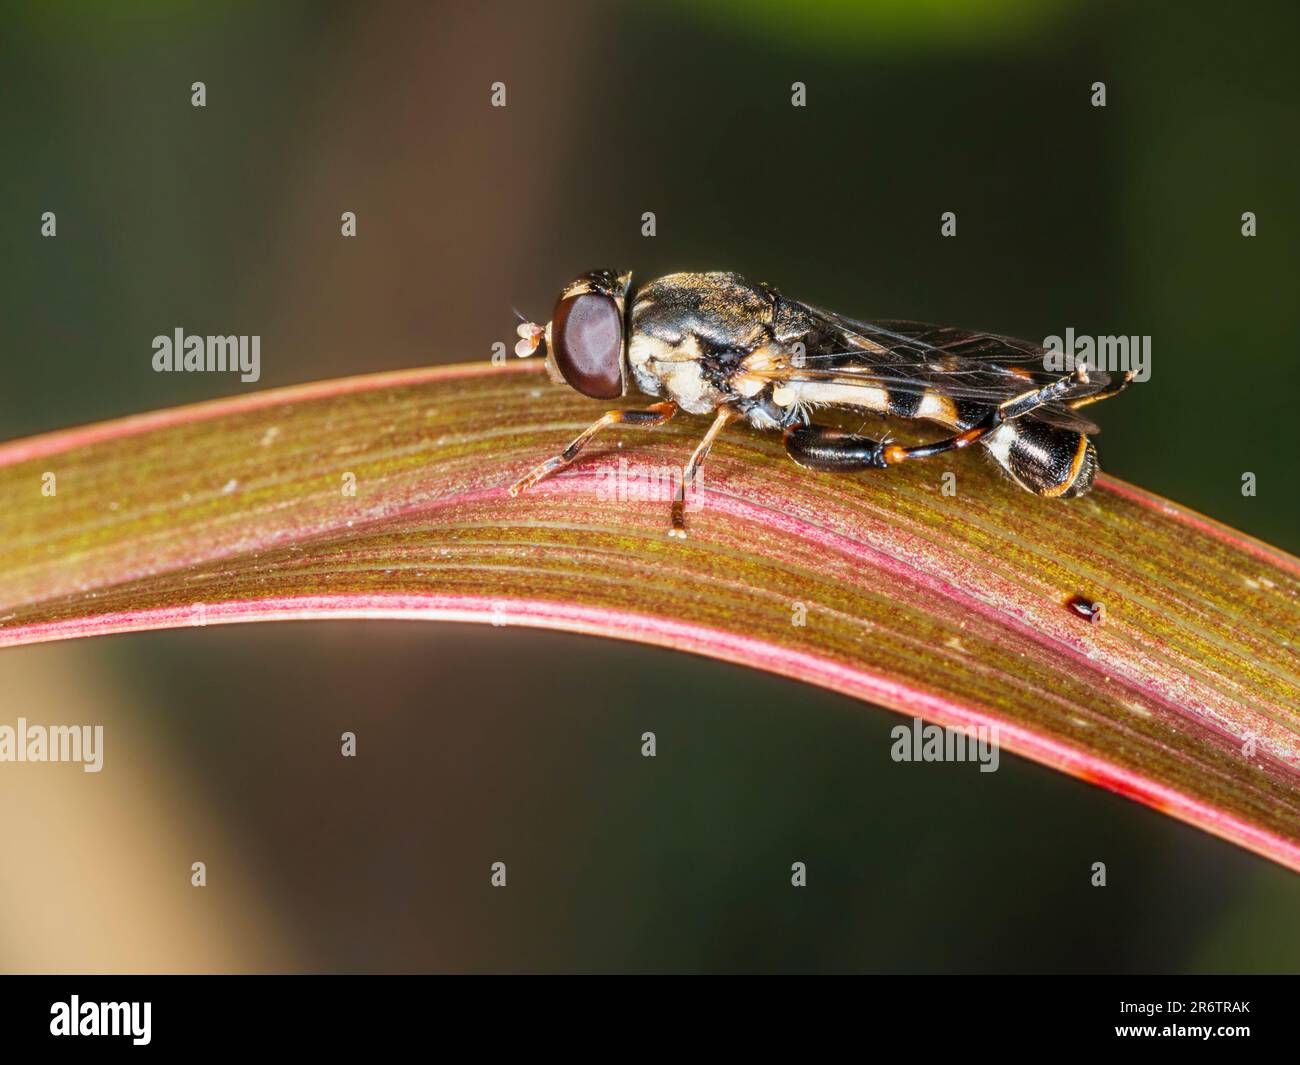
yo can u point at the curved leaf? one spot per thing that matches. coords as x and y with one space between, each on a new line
949 607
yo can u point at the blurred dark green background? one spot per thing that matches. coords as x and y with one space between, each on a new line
479 744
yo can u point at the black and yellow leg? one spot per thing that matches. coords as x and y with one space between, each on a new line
835 451
1113 389
655 414
725 414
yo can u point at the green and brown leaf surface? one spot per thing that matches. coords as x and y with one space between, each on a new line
947 607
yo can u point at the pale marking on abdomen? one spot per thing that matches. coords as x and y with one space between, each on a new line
868 397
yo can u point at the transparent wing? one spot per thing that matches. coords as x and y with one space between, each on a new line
918 358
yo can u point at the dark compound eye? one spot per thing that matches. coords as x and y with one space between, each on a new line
587 343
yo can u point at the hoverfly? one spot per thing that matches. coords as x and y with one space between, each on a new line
716 343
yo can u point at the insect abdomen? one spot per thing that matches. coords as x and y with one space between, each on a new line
1046 459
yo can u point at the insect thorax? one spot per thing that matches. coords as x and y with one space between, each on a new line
698 338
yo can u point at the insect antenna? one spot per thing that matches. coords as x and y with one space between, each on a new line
530 336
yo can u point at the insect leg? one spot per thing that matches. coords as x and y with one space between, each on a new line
1113 389
835 451
1037 397
817 447
656 414
725 414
